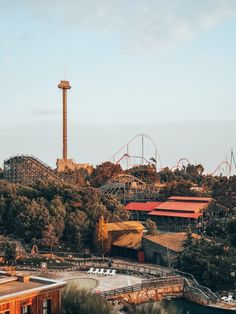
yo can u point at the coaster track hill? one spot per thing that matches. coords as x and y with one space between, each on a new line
27 170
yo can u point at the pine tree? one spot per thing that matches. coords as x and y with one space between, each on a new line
151 227
49 237
189 240
101 236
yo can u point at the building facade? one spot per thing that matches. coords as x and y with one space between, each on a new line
29 295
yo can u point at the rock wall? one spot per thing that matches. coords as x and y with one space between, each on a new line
147 295
196 298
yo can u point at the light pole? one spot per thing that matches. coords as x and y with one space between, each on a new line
167 254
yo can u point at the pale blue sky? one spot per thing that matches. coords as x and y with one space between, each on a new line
157 65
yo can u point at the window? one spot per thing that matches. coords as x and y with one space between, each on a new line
26 309
47 307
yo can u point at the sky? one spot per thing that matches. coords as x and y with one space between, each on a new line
162 67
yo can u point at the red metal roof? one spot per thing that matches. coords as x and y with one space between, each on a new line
190 199
181 206
134 206
148 206
151 205
175 214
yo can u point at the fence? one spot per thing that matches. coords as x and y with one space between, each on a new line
133 269
146 284
195 286
194 293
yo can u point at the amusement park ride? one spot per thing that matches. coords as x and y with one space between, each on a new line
26 169
29 169
225 168
128 160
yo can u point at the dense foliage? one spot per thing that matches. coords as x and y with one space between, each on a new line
210 262
48 213
146 173
190 181
151 227
187 180
102 173
83 302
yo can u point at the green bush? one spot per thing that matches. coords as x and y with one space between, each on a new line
83 302
148 308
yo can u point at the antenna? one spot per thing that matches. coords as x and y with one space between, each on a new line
64 72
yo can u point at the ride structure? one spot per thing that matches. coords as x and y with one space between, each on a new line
128 188
227 167
223 169
232 161
183 162
65 163
27 170
124 157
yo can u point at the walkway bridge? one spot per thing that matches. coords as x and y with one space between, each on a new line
165 286
173 284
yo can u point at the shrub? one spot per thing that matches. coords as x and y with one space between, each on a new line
83 302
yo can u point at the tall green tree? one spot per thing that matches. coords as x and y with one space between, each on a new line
102 173
151 227
146 173
49 237
77 229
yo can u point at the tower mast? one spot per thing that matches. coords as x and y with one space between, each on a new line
64 85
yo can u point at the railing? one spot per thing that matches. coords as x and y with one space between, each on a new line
146 272
146 284
211 295
115 292
196 292
79 256
163 280
127 268
154 271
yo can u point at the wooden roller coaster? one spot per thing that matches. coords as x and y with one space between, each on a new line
128 188
27 170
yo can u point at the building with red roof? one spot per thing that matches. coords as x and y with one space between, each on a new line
173 215
190 199
179 212
139 211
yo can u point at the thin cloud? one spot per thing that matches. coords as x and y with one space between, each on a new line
149 23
